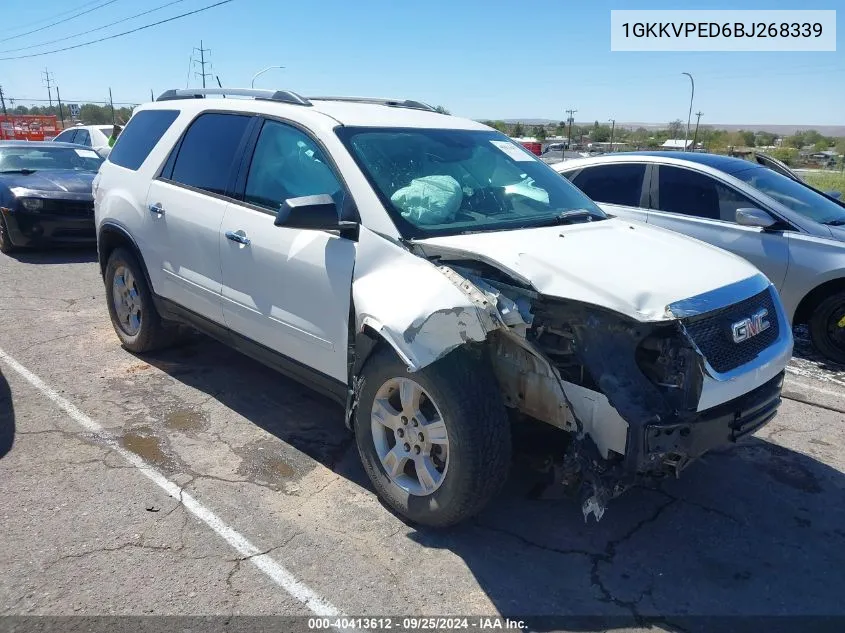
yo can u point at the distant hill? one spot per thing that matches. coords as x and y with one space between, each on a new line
782 130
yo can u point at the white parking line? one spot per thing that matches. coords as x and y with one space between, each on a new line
273 570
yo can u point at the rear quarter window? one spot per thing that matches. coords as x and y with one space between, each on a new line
140 136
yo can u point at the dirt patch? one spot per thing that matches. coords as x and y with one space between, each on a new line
186 420
145 444
264 462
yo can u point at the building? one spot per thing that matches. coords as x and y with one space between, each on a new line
677 144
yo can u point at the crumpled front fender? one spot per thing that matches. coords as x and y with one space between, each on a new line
421 310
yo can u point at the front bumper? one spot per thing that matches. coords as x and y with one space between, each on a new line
718 427
36 229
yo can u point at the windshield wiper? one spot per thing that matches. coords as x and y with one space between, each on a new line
836 222
570 216
18 171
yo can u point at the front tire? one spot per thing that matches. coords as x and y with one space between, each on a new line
435 443
6 245
133 313
827 327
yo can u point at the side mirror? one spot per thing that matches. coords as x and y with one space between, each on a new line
754 217
309 212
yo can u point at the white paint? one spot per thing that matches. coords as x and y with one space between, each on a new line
809 370
273 570
804 385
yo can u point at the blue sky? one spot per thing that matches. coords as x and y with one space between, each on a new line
481 59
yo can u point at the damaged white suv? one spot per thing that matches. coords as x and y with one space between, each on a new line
441 283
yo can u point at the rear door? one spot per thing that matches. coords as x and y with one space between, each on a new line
288 289
185 206
699 205
617 186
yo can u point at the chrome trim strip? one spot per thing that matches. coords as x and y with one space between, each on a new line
719 298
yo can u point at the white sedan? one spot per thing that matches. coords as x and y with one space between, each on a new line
94 136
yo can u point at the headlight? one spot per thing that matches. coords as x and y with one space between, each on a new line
32 204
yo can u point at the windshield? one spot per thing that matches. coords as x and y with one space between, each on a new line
14 159
794 195
446 182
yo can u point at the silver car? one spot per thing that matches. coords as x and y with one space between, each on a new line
790 231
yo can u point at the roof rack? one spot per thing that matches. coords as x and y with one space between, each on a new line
394 103
282 96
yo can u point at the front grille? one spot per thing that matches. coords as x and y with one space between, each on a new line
713 335
70 208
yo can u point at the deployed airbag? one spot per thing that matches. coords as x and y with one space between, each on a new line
429 200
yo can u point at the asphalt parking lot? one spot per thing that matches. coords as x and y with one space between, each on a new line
196 481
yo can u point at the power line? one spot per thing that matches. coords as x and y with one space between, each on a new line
41 28
99 28
55 15
111 37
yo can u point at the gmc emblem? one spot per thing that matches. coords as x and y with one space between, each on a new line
745 329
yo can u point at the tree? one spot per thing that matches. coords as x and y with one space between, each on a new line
676 128
747 138
442 110
21 110
539 132
763 139
601 134
517 130
786 154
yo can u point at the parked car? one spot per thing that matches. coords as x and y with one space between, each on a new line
94 136
790 231
45 194
438 281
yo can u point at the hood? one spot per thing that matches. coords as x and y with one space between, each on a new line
52 181
627 267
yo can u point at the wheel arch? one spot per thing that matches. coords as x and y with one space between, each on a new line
814 297
112 236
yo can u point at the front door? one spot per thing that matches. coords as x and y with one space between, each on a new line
699 205
287 289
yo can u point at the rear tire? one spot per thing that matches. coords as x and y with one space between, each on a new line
6 245
460 396
133 314
827 327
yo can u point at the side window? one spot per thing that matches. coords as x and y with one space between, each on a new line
82 138
209 150
140 136
66 136
287 163
614 184
687 192
730 200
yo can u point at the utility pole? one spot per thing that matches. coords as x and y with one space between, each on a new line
689 115
111 103
61 111
202 51
612 129
695 136
3 101
46 76
152 98
571 114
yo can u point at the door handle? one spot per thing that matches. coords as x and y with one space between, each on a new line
238 236
157 208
